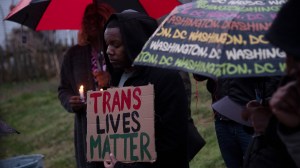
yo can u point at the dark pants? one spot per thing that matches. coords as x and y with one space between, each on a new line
233 141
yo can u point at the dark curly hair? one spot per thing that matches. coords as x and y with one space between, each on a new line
103 10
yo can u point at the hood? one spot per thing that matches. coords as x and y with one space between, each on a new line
284 31
136 28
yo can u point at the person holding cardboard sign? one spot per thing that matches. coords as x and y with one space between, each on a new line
125 34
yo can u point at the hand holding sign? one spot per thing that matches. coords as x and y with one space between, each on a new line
110 163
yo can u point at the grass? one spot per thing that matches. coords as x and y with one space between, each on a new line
46 128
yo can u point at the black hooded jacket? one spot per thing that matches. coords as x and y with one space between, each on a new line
170 102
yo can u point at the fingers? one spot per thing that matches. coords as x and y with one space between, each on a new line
285 104
110 163
246 114
107 164
253 103
74 99
258 114
76 103
251 106
285 98
289 119
260 119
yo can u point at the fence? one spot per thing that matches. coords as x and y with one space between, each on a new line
38 57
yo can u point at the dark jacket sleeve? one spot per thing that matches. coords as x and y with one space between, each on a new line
171 115
242 90
290 138
65 90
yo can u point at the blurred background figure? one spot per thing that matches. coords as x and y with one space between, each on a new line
83 65
233 137
279 146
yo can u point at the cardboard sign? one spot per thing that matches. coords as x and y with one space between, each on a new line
121 121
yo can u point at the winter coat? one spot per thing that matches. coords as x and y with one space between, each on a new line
272 148
242 90
268 150
170 102
75 71
170 106
290 138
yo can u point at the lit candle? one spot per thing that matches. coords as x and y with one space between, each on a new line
101 89
81 92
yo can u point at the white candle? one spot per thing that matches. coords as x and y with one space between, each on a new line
81 92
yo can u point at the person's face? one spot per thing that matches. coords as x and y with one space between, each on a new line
292 66
115 49
93 23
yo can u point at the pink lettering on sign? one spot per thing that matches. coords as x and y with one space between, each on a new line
95 96
118 101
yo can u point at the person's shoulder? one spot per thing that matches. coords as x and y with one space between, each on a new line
164 72
164 75
77 47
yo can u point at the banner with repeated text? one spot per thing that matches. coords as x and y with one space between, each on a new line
217 38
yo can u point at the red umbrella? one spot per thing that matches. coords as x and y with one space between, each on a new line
67 14
49 15
154 8
159 8
63 14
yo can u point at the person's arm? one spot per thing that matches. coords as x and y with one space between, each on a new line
291 139
285 104
171 120
68 97
258 114
286 107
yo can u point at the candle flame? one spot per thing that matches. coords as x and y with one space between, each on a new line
81 92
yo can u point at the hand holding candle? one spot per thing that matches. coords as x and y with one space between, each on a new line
81 92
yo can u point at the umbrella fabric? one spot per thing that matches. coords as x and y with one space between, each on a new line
159 8
49 14
6 129
63 14
217 38
153 8
67 14
120 5
26 9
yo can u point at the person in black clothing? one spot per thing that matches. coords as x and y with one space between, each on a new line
280 145
125 34
77 69
233 137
